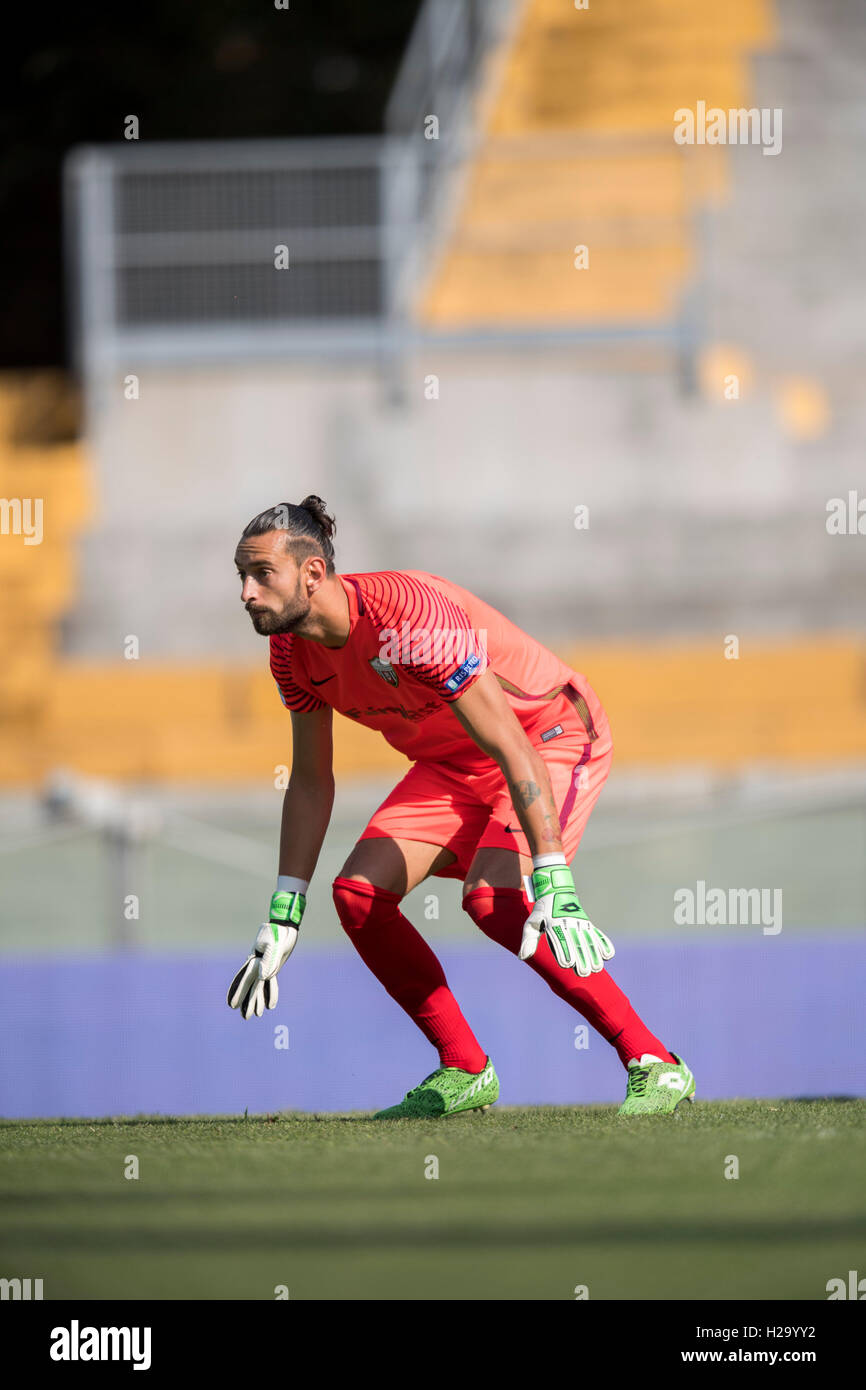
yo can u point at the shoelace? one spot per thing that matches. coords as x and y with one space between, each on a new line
637 1079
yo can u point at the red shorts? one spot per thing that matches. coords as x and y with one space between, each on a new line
467 811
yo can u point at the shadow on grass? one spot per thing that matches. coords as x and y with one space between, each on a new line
467 1234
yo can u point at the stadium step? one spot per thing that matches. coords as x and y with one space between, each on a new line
612 70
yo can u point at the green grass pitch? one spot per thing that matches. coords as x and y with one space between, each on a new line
528 1204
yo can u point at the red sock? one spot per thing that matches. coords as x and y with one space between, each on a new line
403 962
501 914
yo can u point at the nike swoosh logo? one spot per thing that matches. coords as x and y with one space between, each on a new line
322 681
509 830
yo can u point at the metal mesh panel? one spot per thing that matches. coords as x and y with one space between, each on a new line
198 245
189 294
198 201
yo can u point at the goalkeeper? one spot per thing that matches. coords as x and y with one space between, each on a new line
509 749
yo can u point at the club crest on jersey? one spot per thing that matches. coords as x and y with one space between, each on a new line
384 669
463 672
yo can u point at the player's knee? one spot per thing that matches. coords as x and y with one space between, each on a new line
360 903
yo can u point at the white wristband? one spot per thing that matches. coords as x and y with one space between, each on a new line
543 861
287 884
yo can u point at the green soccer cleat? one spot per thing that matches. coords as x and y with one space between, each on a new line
446 1091
656 1087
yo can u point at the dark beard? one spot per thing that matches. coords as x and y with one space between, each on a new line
268 623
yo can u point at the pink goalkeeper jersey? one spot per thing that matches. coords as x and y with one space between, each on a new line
417 643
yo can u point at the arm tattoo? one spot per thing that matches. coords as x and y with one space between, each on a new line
528 792
523 794
551 833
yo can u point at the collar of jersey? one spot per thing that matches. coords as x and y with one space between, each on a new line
356 606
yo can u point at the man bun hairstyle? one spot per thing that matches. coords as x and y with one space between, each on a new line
309 529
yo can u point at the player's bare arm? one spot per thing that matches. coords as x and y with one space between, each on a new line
309 797
488 718
307 807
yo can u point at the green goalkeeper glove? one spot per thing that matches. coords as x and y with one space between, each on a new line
557 913
254 988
